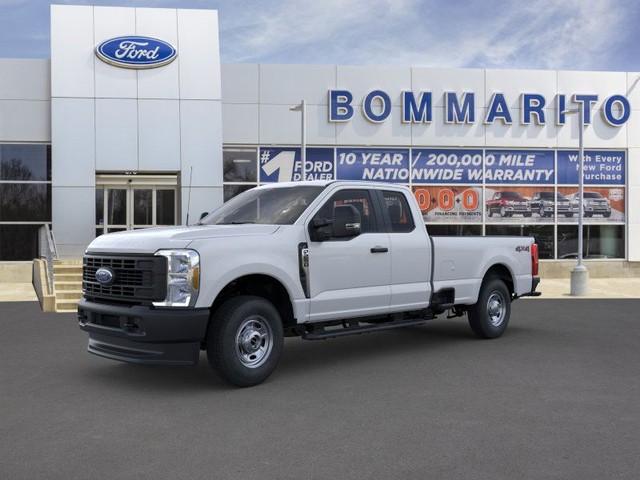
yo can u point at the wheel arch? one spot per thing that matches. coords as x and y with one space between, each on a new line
501 271
259 285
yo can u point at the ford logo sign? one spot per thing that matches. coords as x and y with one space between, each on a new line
136 52
105 276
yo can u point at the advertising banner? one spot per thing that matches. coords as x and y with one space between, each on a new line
601 167
512 204
452 203
600 204
429 166
383 165
285 165
528 167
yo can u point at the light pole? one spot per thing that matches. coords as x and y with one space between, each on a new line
302 107
580 274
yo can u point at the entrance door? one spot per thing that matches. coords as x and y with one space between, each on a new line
126 202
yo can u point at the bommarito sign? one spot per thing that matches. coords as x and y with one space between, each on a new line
459 108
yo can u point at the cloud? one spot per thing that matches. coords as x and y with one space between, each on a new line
538 34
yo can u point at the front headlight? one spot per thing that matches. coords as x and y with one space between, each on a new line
183 278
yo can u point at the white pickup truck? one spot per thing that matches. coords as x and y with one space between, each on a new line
312 259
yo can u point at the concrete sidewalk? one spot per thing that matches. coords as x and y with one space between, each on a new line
550 288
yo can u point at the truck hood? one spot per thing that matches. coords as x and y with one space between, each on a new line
150 240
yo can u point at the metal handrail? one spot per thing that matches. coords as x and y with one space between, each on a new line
48 250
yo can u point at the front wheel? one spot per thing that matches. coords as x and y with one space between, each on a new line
245 340
489 317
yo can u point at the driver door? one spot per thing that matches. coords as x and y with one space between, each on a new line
350 277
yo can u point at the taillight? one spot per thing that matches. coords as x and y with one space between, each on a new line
534 259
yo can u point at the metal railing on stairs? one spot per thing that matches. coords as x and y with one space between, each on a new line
47 250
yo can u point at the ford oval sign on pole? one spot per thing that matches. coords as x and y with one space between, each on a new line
136 52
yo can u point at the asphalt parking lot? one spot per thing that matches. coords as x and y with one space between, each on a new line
558 396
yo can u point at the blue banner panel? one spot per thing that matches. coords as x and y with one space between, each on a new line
382 165
513 167
601 167
429 166
285 165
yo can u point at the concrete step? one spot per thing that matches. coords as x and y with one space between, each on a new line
67 261
68 295
61 286
67 277
66 306
67 269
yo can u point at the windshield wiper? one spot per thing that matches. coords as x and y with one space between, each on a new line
234 223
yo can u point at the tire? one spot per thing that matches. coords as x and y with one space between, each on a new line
489 212
606 215
244 340
588 215
527 215
489 317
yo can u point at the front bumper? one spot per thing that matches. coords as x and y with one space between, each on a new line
143 334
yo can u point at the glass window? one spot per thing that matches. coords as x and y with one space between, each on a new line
231 191
444 230
360 199
25 163
543 235
270 206
399 213
25 202
99 206
142 206
117 206
165 207
599 241
239 164
18 242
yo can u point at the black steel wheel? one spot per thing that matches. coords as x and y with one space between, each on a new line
245 340
489 316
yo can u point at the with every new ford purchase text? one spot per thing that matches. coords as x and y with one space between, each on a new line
315 259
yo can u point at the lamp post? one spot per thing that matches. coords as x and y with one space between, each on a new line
580 274
302 107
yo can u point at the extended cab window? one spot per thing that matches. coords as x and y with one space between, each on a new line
359 199
399 213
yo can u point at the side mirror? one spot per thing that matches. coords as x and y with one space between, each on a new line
204 214
346 221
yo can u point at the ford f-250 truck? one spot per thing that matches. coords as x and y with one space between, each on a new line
312 259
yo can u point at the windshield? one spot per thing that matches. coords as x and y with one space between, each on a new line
269 206
592 195
511 195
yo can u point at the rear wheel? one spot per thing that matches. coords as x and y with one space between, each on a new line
489 317
245 340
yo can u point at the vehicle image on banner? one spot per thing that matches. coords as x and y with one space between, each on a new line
544 204
508 203
595 204
316 259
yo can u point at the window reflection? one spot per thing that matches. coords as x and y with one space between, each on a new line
25 163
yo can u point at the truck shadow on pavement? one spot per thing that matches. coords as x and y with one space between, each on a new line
303 358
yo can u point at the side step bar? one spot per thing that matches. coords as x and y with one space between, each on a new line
321 334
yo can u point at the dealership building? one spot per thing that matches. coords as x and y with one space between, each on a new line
134 123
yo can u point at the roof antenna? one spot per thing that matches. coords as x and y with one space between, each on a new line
189 197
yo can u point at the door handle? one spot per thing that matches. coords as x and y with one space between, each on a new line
379 250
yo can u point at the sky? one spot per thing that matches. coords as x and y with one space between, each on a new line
516 34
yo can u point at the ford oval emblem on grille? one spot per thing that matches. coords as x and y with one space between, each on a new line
136 52
105 276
